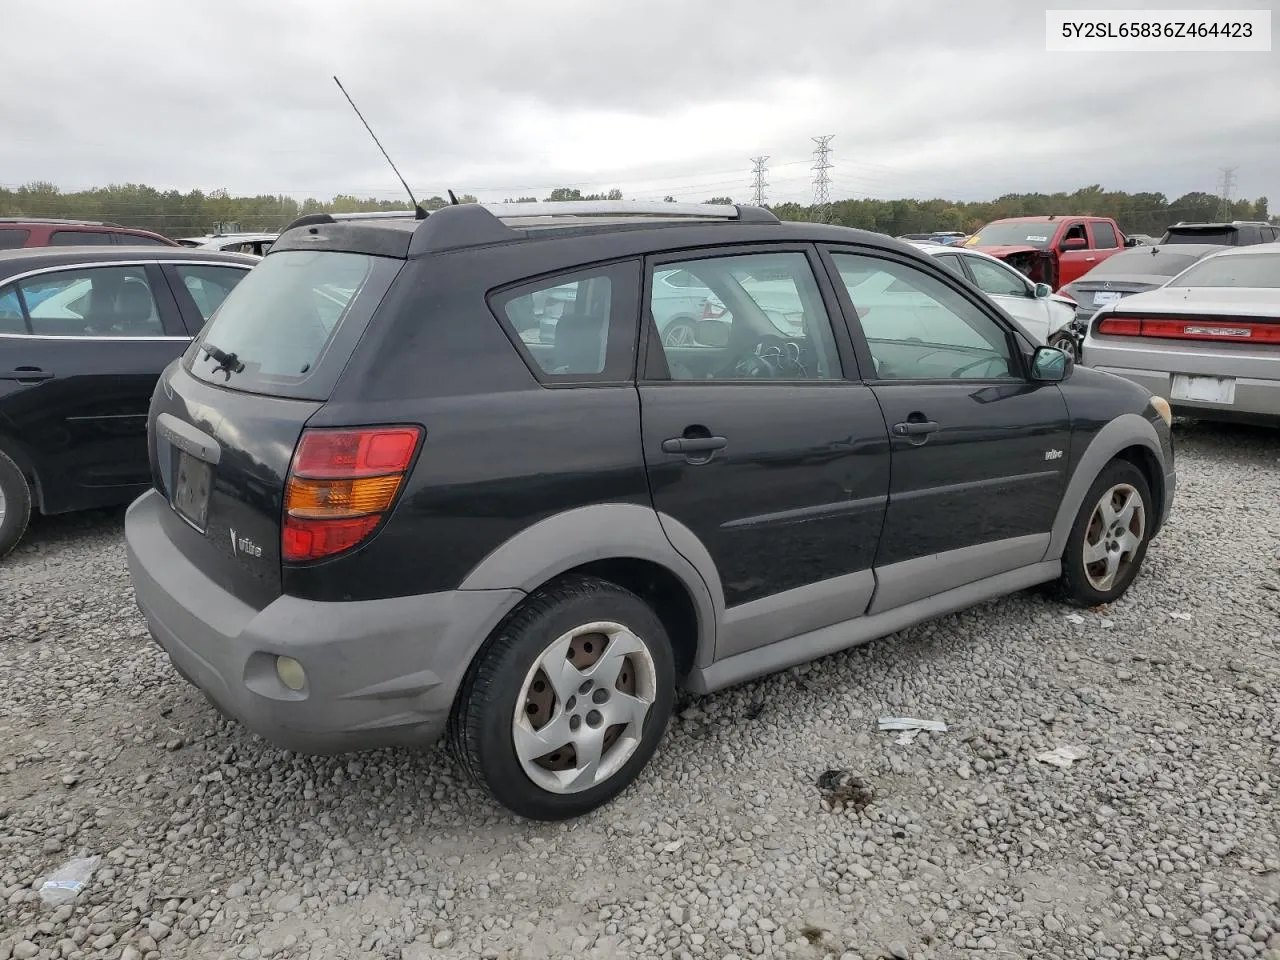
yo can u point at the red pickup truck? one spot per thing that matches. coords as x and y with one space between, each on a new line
1052 250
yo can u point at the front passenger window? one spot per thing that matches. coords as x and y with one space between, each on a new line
919 328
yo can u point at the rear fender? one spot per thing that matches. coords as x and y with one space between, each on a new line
607 531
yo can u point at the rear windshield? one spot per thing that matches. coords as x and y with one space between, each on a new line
1150 261
1242 270
290 325
1229 236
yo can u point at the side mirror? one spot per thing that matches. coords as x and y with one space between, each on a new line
1075 243
1130 241
1042 290
1050 365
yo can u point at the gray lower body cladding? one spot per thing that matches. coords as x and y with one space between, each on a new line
378 672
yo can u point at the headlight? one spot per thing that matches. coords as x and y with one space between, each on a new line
1162 408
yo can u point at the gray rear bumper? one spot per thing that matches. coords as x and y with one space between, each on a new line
379 672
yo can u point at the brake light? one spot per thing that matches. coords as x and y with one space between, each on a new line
1247 331
1121 328
713 311
340 486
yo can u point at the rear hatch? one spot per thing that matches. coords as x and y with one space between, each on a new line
227 416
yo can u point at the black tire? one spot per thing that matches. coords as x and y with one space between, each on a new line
1074 586
17 505
481 732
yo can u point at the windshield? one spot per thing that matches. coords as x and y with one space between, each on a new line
1242 270
1013 234
281 321
1150 261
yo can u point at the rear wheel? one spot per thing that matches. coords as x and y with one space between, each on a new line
567 703
1109 537
15 504
680 333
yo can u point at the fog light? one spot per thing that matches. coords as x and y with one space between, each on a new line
291 673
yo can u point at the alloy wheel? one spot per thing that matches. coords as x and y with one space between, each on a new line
581 709
1114 535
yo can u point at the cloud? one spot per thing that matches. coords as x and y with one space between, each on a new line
503 98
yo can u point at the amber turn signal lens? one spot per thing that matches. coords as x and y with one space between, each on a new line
319 499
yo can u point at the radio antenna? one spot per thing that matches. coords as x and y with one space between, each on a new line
419 213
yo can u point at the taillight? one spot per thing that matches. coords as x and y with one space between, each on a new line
341 484
1243 331
713 311
1120 328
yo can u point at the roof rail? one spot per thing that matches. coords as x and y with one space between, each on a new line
60 220
309 219
628 208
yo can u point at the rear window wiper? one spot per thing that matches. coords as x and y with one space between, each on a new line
228 363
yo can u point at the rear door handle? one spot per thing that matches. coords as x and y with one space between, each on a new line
26 374
1090 259
688 445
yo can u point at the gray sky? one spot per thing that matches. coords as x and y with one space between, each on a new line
508 97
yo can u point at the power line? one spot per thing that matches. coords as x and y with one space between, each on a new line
758 183
821 179
1228 184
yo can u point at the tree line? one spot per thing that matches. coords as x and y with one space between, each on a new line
177 214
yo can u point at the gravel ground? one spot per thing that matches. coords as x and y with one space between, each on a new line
1161 842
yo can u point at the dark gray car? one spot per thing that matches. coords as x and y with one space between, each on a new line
1132 271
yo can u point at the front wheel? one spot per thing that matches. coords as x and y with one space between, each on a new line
566 704
1109 537
1067 344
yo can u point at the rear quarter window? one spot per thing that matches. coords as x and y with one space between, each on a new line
291 324
11 238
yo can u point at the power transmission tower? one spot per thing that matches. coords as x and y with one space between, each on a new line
758 182
1228 184
821 181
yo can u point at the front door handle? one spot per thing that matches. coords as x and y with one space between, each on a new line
1090 259
915 428
26 374
687 445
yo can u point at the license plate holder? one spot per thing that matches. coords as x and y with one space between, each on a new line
191 490
1203 389
1103 297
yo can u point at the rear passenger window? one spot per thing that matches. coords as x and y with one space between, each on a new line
11 238
208 286
578 328
137 240
1104 237
11 312
753 317
79 238
97 302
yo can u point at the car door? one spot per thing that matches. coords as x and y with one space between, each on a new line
200 288
978 450
1073 264
1012 292
765 452
79 366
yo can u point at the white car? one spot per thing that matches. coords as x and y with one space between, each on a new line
1044 315
1208 339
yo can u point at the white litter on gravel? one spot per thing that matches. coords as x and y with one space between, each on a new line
734 842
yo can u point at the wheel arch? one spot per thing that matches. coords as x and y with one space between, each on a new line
624 544
1129 437
16 452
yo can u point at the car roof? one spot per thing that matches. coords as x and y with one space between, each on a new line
238 237
1212 225
1049 218
935 249
37 258
1189 249
1251 249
